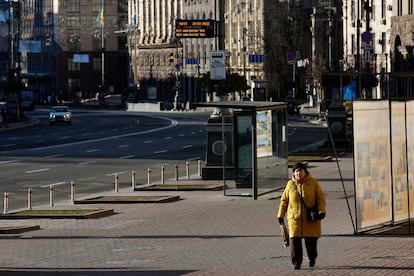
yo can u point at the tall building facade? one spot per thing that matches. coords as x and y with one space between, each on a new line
160 60
151 40
367 40
70 49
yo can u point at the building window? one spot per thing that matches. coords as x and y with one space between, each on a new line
96 6
353 44
97 43
122 43
97 64
73 6
73 22
74 85
122 6
73 66
74 42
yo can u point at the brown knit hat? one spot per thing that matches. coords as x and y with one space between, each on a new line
300 165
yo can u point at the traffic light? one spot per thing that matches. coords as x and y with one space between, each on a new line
171 57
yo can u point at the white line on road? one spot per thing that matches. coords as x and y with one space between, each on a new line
54 155
53 184
187 146
160 151
118 173
127 156
173 123
123 146
194 158
7 145
8 161
87 162
39 170
92 150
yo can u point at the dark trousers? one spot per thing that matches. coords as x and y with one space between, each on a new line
296 250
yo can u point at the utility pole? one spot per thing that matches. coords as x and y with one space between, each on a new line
358 47
102 23
14 83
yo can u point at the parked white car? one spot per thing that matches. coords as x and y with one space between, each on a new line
60 114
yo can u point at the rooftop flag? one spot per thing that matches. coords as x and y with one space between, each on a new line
100 17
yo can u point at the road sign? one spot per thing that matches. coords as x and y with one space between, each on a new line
218 65
194 28
257 58
191 61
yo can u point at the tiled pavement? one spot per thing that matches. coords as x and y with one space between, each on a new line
204 233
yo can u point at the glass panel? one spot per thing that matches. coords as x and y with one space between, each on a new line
243 156
261 135
272 162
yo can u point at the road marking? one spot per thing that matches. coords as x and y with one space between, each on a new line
194 158
87 162
53 184
7 145
160 151
127 156
8 161
148 141
172 124
39 170
91 150
116 173
186 146
55 155
123 146
168 138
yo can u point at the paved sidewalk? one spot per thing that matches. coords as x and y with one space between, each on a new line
204 233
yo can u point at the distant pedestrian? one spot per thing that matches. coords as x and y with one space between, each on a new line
302 191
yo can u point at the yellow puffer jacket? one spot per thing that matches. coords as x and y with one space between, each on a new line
290 201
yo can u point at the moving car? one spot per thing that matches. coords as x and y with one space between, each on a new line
60 114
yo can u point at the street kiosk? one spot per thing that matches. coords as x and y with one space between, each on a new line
257 145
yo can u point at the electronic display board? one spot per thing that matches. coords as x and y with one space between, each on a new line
194 28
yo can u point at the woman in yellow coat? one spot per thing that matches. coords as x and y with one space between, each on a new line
302 185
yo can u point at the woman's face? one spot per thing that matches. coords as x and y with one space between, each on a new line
299 175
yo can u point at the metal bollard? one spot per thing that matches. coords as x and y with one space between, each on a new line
116 180
162 174
149 176
199 167
72 192
133 174
51 195
187 168
29 198
6 203
176 172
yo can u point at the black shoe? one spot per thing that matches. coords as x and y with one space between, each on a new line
312 263
297 267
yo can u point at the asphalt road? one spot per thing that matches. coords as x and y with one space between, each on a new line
103 145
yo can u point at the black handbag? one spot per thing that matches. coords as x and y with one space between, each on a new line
311 213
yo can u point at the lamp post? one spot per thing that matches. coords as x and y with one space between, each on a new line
102 23
13 79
